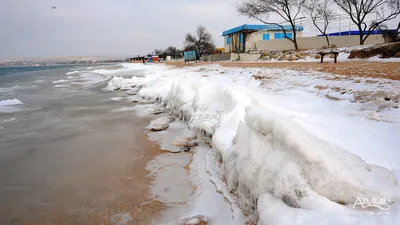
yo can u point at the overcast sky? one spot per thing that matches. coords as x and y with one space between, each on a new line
117 28
30 28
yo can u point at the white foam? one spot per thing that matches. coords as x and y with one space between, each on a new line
10 105
73 72
8 120
61 85
88 79
124 109
60 81
10 102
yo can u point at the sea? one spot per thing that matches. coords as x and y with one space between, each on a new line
66 149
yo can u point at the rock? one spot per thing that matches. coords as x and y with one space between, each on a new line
301 55
387 99
196 220
121 219
160 123
185 142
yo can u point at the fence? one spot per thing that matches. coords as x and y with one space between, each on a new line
338 23
316 42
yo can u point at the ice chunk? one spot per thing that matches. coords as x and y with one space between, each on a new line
195 220
160 123
119 83
116 99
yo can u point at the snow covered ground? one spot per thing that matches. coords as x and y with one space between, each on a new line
291 147
312 55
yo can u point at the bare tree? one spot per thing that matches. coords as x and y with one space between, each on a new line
288 10
173 51
396 5
320 10
358 10
201 41
390 35
158 52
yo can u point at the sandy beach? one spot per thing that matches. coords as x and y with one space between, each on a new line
387 70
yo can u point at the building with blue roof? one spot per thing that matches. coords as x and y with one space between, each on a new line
243 38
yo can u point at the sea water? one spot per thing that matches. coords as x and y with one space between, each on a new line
65 148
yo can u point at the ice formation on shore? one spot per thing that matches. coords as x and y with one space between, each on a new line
273 161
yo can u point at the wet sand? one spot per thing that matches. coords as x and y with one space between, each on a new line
103 174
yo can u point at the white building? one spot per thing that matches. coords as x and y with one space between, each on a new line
243 38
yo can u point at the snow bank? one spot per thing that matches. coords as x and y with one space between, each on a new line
272 156
379 59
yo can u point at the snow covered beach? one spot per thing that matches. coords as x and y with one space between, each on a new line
285 149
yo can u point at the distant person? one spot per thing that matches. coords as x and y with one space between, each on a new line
144 61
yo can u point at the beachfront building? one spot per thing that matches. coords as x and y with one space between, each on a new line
147 58
243 38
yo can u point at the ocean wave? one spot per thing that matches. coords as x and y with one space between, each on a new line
10 105
8 120
90 79
10 102
60 81
73 72
61 85
106 72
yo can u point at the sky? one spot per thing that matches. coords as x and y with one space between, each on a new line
112 28
31 28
